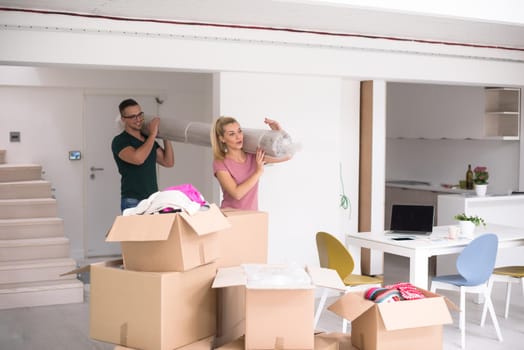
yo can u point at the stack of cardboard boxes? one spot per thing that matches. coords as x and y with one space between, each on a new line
182 287
162 298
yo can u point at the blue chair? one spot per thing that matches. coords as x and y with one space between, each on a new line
474 265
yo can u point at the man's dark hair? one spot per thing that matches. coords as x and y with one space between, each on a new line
126 103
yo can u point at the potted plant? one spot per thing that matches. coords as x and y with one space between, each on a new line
480 179
468 222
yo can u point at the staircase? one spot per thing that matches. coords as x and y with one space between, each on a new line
33 248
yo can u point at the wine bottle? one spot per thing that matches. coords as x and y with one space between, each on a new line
469 178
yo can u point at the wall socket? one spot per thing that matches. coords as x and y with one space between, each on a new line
14 136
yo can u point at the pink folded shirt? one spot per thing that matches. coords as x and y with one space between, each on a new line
190 191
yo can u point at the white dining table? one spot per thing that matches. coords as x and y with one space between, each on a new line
421 248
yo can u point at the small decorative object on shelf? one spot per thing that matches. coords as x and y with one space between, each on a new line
469 178
481 175
480 179
468 223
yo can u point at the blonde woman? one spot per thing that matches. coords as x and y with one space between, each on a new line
238 172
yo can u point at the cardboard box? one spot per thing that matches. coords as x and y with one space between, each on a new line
407 325
333 341
152 310
237 344
204 344
168 242
323 341
244 242
117 263
278 312
231 313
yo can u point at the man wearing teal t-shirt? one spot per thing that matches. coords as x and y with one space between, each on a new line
136 155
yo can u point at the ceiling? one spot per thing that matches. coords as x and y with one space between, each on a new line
300 15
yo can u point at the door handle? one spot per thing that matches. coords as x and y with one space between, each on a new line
96 169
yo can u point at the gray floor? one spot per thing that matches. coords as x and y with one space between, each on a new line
66 327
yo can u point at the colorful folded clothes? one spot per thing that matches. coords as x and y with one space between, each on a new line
382 295
407 290
394 292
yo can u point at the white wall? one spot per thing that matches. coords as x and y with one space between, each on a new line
114 45
49 121
46 106
446 161
127 44
302 196
443 117
506 10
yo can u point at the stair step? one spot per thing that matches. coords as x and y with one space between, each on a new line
36 270
27 208
31 228
20 172
30 249
14 295
2 156
25 189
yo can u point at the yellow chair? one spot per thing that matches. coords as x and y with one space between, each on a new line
509 275
334 255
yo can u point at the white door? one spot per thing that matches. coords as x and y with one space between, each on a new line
102 199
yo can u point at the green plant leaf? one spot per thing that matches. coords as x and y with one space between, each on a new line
477 220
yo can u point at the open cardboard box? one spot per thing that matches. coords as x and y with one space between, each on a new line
169 242
280 314
244 242
407 325
151 310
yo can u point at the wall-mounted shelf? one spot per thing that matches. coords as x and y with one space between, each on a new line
502 112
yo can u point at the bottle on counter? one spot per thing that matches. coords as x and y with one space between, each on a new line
469 178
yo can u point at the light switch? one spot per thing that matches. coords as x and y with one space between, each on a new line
14 136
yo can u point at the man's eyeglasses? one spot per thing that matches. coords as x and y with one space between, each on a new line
136 116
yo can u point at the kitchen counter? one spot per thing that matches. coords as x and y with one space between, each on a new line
416 192
495 209
426 186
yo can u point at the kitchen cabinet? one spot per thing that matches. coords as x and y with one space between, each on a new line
430 111
502 113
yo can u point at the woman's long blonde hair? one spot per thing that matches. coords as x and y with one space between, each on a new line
217 131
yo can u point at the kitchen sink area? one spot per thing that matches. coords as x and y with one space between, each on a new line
406 191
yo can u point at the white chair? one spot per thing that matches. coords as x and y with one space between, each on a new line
474 265
508 275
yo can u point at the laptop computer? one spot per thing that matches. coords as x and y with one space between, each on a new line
412 219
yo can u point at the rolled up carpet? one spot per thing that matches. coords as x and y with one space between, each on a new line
275 143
